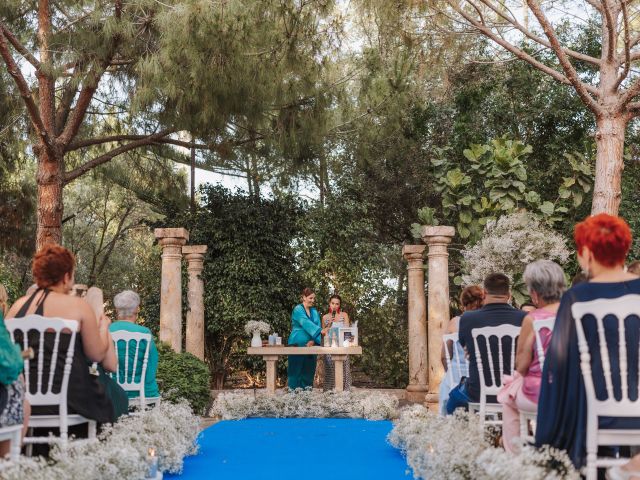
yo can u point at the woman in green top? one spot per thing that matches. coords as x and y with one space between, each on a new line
305 332
14 408
127 306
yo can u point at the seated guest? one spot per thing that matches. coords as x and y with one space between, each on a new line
545 282
470 299
305 332
14 408
336 318
602 243
53 270
528 307
127 306
496 311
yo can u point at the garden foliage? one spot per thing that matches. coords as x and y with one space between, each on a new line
183 376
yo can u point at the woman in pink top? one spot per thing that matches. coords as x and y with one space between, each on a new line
546 284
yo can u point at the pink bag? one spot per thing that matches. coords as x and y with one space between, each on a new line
511 385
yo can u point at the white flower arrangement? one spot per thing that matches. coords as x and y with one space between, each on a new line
456 448
253 326
305 404
508 245
121 449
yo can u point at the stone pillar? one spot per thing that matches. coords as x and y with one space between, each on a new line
171 240
194 255
418 372
437 239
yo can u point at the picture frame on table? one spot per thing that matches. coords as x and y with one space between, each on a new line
348 337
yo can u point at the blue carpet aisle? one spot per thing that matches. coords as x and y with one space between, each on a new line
301 449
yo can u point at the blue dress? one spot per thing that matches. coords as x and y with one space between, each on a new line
452 376
304 328
562 408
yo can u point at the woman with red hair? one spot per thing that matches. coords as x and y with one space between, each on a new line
602 244
53 270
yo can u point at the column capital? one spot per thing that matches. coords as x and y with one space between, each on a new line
194 251
437 234
171 236
413 252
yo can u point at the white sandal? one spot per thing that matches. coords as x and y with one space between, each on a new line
617 473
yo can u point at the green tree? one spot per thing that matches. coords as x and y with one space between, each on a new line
250 270
113 77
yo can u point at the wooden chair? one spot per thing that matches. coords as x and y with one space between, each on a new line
126 377
501 332
620 308
529 418
44 395
13 434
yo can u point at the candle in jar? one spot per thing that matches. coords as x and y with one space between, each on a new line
152 464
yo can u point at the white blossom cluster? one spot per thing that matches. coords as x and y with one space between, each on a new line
305 404
455 448
120 450
256 326
509 244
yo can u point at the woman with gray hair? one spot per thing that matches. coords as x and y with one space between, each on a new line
127 305
546 283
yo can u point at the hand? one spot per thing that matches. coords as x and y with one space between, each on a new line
324 331
310 343
104 322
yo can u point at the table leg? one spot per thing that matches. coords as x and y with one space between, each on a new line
271 372
338 367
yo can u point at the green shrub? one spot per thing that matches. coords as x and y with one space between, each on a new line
183 375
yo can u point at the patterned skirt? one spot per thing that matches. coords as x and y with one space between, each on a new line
329 374
13 413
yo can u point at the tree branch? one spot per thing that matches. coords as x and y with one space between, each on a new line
84 168
627 46
46 82
512 20
486 31
89 87
610 25
21 49
25 92
595 4
79 144
570 72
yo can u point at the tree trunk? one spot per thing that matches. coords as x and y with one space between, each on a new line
50 206
607 191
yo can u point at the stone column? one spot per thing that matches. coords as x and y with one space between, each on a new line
171 240
195 315
418 372
437 239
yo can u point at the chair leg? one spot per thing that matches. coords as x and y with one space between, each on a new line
15 445
29 449
592 469
92 429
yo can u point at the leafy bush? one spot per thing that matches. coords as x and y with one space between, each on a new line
183 376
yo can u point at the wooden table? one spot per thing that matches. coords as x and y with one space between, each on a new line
271 354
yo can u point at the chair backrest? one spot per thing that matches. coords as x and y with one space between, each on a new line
620 308
538 326
44 394
486 333
460 361
131 341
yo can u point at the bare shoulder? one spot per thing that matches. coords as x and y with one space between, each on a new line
17 305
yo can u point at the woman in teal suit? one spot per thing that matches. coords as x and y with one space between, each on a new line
306 331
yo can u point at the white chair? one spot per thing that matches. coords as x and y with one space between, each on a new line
127 381
44 395
462 368
500 332
620 308
13 434
526 417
